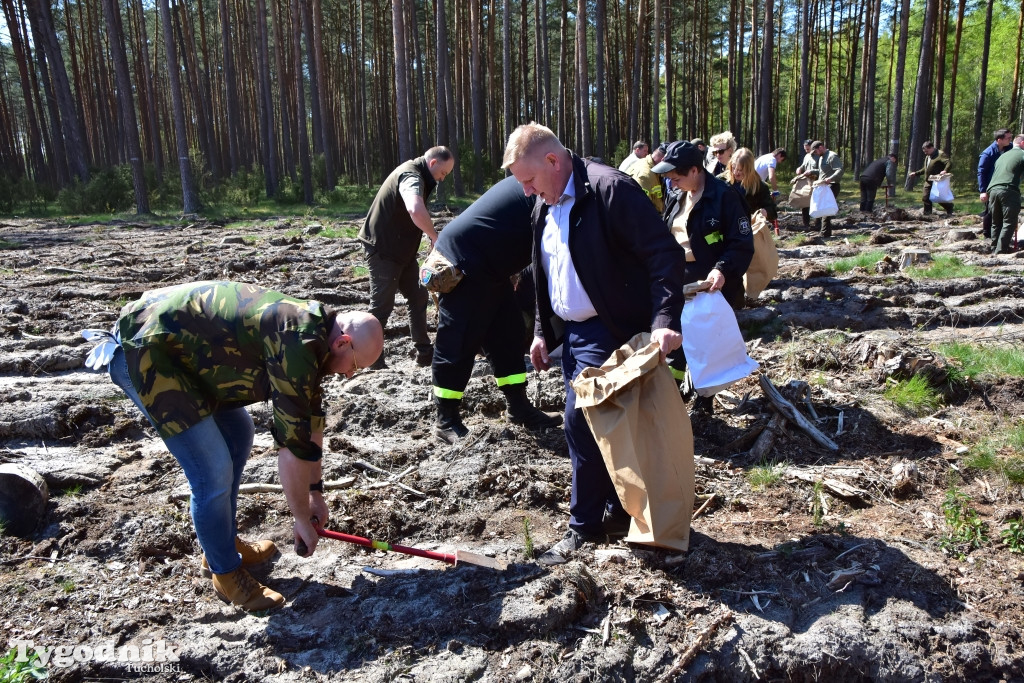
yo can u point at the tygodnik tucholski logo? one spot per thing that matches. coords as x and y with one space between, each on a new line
148 655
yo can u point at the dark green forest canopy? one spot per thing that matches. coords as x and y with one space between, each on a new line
297 98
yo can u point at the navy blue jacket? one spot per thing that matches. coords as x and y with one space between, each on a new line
626 258
492 238
986 164
720 235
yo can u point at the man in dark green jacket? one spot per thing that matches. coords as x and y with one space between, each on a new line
1004 196
391 233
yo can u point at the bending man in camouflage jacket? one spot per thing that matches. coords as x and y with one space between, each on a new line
192 356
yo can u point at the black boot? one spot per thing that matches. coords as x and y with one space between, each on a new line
449 427
521 411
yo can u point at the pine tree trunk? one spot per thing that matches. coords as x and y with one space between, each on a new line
401 81
901 63
766 102
189 192
979 109
126 103
301 123
74 136
268 139
921 116
477 96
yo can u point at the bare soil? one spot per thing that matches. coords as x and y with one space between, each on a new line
789 581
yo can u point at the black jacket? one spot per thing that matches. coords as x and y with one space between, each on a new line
875 172
626 258
492 238
388 229
762 199
720 235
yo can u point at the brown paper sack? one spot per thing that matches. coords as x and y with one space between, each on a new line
641 425
800 195
765 265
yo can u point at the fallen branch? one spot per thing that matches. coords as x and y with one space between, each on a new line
766 440
794 415
703 507
702 640
833 486
345 483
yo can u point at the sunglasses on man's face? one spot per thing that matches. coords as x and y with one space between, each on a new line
718 151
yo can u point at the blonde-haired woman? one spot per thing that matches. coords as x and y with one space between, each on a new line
741 175
721 148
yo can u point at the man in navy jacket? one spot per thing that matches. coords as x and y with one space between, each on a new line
986 164
606 268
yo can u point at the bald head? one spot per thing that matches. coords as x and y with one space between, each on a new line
356 342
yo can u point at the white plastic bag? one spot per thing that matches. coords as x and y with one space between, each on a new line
715 353
941 192
823 202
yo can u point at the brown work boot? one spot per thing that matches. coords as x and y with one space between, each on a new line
253 553
240 589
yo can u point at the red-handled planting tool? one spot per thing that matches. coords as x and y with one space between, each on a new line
451 558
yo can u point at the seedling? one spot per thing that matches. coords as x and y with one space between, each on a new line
967 531
1013 536
12 671
818 504
527 539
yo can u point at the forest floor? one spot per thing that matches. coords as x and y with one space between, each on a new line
809 564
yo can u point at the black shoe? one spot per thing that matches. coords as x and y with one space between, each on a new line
522 412
616 524
826 233
379 364
449 428
572 541
424 357
703 405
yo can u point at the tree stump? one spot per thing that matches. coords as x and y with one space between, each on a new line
959 235
23 498
914 257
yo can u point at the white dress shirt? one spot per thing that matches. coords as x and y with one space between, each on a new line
569 300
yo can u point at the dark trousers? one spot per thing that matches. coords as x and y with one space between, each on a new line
586 344
868 190
986 222
477 314
926 200
386 279
1004 203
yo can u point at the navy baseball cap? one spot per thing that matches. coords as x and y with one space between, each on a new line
681 154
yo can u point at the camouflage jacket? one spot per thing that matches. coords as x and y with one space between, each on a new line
195 348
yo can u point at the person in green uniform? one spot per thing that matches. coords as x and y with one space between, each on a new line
1004 196
191 357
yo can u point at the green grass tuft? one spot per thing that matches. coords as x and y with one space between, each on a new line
977 360
1001 453
868 259
765 474
944 267
915 395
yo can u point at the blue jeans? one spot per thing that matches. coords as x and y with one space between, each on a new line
212 454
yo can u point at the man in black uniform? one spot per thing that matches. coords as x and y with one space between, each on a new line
489 242
872 177
391 234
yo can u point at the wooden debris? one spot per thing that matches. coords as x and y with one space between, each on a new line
702 641
766 440
914 257
704 507
833 486
793 415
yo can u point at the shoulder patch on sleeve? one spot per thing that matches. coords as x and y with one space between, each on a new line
744 225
